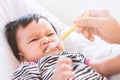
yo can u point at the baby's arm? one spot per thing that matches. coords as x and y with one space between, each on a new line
63 69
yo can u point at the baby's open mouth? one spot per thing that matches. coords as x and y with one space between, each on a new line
48 49
52 46
45 50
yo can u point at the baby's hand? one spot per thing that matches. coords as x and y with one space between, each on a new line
63 69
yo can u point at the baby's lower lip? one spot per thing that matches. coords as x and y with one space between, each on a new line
53 50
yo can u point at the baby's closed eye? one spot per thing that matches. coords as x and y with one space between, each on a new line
51 34
32 40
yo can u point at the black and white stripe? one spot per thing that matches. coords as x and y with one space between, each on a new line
45 67
27 71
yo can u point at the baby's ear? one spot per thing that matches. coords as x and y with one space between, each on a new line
20 54
22 58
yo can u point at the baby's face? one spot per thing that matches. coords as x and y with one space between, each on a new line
34 40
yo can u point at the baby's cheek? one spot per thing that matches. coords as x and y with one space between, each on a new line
33 57
61 47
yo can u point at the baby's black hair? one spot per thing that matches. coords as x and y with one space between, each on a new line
11 30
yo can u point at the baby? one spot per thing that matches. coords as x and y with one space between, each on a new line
29 38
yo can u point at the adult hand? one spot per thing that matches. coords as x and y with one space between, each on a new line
100 23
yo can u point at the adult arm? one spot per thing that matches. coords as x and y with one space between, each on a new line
108 66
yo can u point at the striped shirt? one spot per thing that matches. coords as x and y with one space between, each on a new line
45 67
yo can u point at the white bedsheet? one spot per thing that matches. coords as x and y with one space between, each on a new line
12 9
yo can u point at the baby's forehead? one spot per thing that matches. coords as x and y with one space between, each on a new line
44 21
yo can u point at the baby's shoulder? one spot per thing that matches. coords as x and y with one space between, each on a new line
26 69
26 66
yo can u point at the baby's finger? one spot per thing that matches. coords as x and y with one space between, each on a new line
62 60
68 75
65 67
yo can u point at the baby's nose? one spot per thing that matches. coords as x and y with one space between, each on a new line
46 41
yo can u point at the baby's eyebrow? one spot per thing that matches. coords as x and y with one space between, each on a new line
33 36
29 38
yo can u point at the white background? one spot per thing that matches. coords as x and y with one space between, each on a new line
68 10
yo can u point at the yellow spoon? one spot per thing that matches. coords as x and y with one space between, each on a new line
64 35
